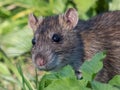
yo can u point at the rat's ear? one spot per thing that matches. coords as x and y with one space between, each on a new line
71 17
34 22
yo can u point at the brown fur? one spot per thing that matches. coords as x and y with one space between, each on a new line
103 33
78 43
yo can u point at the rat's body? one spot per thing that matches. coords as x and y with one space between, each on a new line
63 39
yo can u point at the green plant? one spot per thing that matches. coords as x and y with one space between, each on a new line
65 79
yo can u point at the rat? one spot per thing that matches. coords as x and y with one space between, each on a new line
64 39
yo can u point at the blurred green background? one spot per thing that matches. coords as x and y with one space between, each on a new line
15 35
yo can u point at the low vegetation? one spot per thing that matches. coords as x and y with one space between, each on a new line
65 79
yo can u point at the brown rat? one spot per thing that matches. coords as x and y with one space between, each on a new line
64 39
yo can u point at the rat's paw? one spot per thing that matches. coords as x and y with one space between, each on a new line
78 75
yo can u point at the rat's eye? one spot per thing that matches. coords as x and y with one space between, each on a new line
33 41
56 38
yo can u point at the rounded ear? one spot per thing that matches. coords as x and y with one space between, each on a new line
71 17
34 22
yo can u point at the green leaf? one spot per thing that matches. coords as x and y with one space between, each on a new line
115 81
83 7
114 5
66 72
101 86
65 84
19 42
46 80
65 79
91 67
4 69
24 79
10 79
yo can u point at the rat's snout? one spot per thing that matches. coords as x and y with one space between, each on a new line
40 60
44 57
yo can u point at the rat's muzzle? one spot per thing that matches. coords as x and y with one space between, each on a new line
40 61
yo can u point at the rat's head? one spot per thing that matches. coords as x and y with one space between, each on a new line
55 43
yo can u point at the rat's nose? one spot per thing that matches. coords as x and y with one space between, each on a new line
40 61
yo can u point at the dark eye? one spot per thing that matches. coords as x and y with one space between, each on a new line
33 41
56 38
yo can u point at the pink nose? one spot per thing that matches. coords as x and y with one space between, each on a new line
40 62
